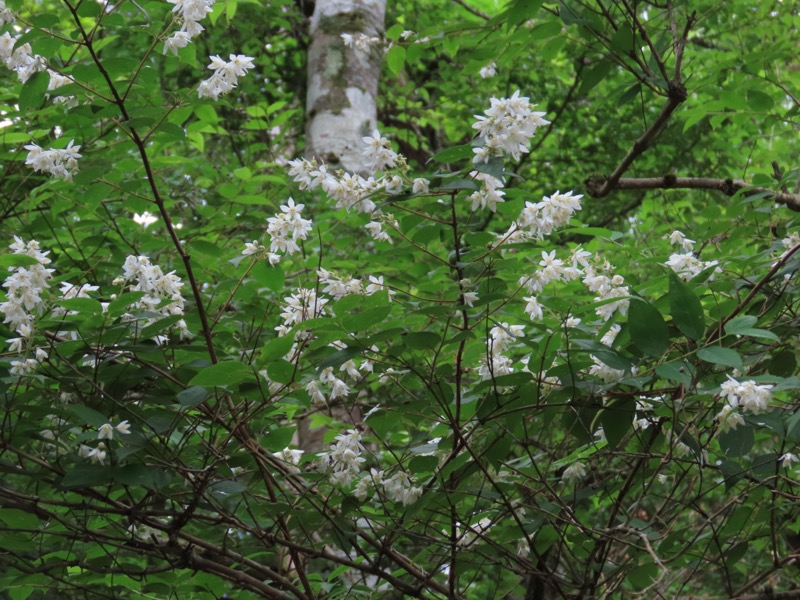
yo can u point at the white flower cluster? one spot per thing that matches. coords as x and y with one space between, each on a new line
226 75
300 306
350 191
361 41
191 12
6 16
21 60
502 337
507 128
285 229
344 458
748 395
338 288
552 269
162 292
490 193
540 219
61 163
610 289
96 455
24 302
398 488
337 388
685 264
379 152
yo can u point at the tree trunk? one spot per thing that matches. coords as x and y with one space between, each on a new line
342 81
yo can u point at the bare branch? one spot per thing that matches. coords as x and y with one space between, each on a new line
598 187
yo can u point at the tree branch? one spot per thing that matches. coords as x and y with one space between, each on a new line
597 186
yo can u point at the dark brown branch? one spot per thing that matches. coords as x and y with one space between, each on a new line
597 187
604 185
472 9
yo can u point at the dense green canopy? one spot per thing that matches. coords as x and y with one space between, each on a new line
546 348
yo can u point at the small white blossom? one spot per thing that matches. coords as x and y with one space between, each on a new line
574 472
489 70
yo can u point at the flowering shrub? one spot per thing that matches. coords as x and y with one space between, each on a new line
260 376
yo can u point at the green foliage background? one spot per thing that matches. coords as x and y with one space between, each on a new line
672 507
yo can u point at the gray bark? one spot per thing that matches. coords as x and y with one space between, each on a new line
342 81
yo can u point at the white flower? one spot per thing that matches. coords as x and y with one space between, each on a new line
420 186
344 458
123 427
290 455
24 289
6 16
399 488
469 298
97 455
747 394
191 13
533 309
574 472
508 126
787 460
489 70
105 432
287 228
62 163
162 291
379 152
145 219
728 418
687 265
676 238
226 75
253 247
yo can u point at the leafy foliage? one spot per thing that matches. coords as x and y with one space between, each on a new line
514 398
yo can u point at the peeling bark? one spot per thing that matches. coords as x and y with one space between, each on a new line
342 81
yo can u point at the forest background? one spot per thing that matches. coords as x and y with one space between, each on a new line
539 342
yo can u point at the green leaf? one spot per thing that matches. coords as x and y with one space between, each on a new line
423 464
421 340
281 371
82 306
677 371
192 396
737 442
16 260
396 58
686 309
32 95
268 276
227 488
454 154
743 325
617 420
649 332
84 476
276 348
223 374
366 318
718 355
